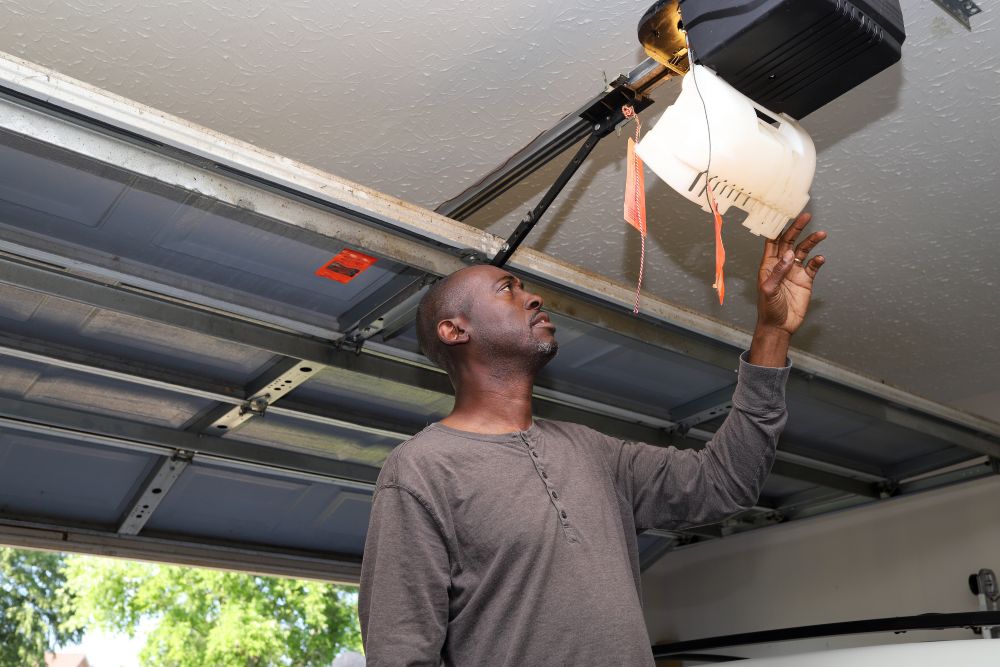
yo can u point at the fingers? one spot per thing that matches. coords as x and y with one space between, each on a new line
778 273
803 249
782 248
775 247
787 238
771 247
813 267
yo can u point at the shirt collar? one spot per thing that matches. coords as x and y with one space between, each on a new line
530 433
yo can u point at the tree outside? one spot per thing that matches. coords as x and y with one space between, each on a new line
33 603
198 616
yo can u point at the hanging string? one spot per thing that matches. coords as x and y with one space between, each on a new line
720 251
638 213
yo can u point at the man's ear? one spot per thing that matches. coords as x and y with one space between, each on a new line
453 331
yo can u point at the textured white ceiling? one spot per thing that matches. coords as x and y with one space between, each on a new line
420 99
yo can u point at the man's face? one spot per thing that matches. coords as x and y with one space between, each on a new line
506 319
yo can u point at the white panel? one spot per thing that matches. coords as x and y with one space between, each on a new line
900 557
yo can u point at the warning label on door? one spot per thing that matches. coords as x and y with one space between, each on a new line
346 266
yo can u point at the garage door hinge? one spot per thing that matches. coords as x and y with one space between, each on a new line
256 405
352 343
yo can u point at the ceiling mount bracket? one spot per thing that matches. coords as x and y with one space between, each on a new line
961 10
279 380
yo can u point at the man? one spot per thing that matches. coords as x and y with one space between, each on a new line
498 540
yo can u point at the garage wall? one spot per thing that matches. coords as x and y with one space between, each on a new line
899 557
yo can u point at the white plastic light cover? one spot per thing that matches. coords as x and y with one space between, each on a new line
762 162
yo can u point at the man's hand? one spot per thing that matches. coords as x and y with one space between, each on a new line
784 285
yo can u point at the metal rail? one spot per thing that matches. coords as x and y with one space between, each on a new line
377 361
181 549
548 145
895 624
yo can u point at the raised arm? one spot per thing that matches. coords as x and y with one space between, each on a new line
674 488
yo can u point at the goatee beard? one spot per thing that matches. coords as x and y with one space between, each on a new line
544 351
547 349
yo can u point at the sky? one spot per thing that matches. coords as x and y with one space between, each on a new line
110 650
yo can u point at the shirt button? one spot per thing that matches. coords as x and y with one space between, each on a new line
545 475
563 514
534 453
555 495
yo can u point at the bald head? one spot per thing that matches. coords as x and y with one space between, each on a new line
449 297
483 313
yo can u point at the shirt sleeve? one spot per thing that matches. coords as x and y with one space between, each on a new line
673 488
405 574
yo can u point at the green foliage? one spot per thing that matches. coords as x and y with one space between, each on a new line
210 617
32 605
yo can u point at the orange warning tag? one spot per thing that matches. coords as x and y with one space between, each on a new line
635 191
635 196
345 266
720 250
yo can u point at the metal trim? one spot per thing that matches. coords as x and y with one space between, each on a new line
152 493
284 376
180 550
704 408
548 145
114 367
145 305
825 479
934 425
67 423
793 456
894 624
384 361
271 386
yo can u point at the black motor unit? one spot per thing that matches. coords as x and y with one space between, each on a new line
794 56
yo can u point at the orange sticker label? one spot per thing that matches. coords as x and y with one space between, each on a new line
345 266
635 190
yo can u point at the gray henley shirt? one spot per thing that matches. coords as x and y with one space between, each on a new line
521 549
